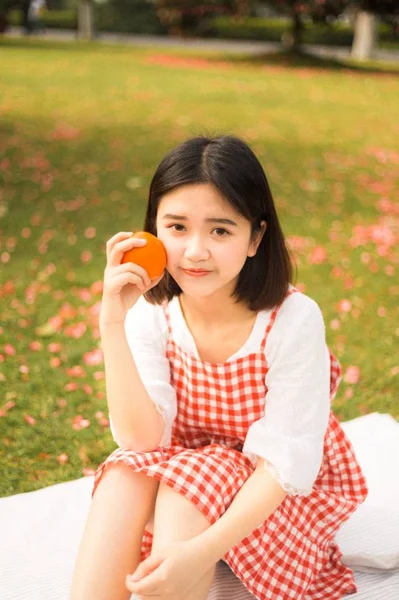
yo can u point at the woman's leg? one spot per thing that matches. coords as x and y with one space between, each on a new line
178 519
111 543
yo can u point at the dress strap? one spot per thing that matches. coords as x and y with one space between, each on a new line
165 308
273 318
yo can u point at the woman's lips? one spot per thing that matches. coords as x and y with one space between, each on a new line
196 272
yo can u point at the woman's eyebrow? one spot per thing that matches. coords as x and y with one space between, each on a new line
209 220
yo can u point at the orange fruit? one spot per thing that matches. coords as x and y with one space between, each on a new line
152 256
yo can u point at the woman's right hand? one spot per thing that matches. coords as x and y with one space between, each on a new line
123 283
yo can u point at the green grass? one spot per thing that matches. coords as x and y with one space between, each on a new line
82 130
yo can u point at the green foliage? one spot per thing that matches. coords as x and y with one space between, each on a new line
271 30
134 16
53 19
191 16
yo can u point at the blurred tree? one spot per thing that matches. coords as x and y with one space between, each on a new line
184 17
5 7
367 15
299 10
85 19
133 16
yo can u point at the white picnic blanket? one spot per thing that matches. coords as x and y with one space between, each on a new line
40 531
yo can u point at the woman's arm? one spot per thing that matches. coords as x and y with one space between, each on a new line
138 424
258 498
135 422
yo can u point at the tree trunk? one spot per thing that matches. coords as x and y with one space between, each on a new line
365 35
292 40
85 19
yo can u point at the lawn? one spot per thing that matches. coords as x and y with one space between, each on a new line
82 129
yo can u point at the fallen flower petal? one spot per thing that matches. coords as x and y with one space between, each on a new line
94 357
352 374
63 459
30 420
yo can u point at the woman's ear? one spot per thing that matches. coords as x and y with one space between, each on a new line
256 239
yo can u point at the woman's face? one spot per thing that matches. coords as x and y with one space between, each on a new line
207 241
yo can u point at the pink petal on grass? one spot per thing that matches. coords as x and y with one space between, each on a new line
9 405
64 132
96 287
48 329
6 407
9 350
30 420
344 305
84 294
63 459
7 289
79 422
54 347
352 374
94 310
90 232
94 357
318 256
76 331
35 346
72 386
102 419
348 393
26 233
86 256
56 322
67 311
76 371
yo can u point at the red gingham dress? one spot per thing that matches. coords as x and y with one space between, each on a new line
292 555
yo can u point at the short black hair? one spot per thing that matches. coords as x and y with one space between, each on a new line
230 166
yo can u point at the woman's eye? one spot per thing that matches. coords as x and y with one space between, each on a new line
176 227
221 232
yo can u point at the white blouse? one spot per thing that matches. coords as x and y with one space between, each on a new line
290 436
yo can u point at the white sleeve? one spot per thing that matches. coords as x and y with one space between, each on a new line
290 436
146 333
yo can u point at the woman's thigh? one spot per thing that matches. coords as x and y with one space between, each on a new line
175 518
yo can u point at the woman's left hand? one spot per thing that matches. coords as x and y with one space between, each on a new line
171 572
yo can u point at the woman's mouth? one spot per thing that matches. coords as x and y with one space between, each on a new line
196 272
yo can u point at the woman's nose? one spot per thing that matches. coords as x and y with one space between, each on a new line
196 249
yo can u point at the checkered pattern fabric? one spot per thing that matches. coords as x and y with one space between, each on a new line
292 555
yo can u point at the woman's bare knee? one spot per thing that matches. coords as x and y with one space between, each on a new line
176 518
120 508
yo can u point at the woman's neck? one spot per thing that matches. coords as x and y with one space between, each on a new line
208 314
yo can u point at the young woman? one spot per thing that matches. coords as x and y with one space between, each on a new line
219 384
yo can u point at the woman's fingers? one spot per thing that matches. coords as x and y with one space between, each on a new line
118 237
119 244
129 267
145 568
119 282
